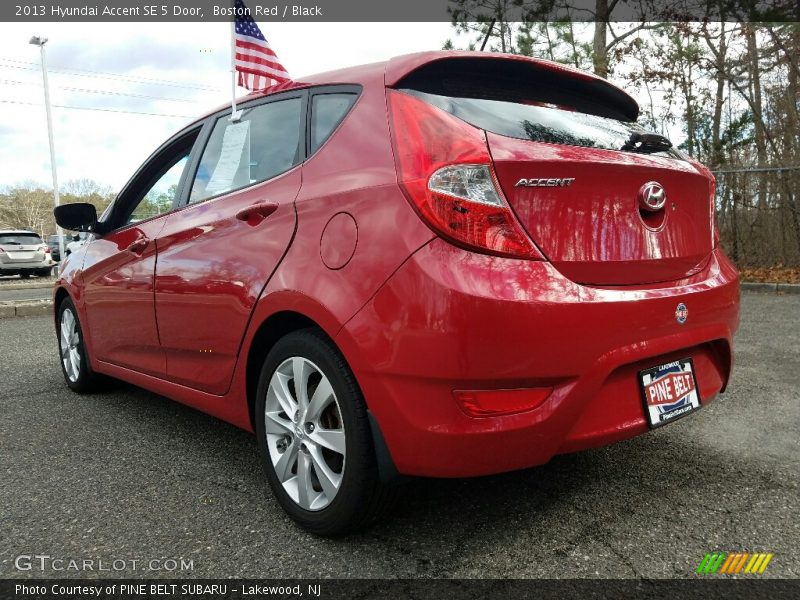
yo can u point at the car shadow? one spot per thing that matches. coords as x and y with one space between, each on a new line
604 484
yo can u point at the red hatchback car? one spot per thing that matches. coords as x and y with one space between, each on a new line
446 265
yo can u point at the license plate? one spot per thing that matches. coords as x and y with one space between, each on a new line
20 255
669 391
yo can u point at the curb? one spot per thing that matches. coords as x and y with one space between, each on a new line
780 288
25 309
26 286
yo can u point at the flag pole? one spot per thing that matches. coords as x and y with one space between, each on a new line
235 115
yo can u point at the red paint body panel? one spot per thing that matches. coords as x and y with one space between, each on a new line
120 313
414 316
212 268
353 173
450 319
592 231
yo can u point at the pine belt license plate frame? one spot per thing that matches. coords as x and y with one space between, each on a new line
669 392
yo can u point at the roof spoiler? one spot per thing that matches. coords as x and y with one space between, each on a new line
401 67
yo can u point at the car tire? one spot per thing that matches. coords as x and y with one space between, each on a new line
24 275
45 272
73 356
321 498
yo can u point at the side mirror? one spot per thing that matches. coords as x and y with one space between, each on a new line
79 216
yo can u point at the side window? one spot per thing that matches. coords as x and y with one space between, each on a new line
159 197
327 111
264 143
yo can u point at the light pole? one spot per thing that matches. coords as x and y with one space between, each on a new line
41 41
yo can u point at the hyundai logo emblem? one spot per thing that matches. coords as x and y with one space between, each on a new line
652 196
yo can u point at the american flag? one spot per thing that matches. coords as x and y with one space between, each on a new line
256 63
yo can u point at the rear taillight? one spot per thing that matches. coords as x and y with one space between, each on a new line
45 249
444 168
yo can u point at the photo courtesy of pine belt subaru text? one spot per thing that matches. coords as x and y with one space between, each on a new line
449 264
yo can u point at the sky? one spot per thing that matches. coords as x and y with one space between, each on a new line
176 72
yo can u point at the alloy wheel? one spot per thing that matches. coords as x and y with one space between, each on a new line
69 341
305 433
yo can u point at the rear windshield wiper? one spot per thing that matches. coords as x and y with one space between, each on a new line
646 143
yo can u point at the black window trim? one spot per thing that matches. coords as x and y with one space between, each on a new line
146 175
202 141
325 90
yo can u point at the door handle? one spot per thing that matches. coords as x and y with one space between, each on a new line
139 245
256 213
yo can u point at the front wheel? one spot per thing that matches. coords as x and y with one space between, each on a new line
314 437
72 350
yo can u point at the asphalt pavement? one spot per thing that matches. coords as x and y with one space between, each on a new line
128 475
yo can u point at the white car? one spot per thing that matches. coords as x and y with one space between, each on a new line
24 253
78 240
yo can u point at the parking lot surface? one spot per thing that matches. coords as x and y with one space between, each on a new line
130 475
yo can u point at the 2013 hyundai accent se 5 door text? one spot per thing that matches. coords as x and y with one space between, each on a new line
449 264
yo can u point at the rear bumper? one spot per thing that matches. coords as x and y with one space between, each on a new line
449 319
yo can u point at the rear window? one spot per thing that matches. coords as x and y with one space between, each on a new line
516 99
20 239
327 111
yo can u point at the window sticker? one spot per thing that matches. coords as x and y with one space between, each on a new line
235 152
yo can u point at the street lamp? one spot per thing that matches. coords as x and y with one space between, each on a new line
41 41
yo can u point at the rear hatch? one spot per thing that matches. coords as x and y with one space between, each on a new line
21 247
575 167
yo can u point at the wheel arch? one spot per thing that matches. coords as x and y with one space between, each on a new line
58 297
267 334
273 328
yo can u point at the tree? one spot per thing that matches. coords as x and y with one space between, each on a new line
727 93
477 18
523 26
29 205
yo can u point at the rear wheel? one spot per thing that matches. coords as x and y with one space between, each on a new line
314 437
24 275
72 350
45 272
